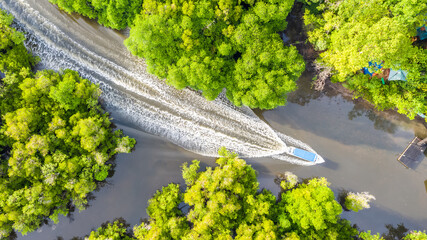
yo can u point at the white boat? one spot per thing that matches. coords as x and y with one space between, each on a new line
305 155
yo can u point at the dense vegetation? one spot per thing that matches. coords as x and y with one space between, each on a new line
115 230
352 33
13 54
117 14
55 140
210 45
225 203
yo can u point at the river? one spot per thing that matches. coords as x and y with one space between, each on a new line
360 146
184 117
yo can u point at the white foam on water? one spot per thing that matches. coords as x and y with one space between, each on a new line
289 141
182 116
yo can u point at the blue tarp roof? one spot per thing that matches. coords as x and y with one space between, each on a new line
394 74
309 156
422 34
373 66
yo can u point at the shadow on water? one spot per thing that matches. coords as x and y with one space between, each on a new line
324 111
305 93
350 121
78 19
382 221
329 114
395 233
332 165
380 122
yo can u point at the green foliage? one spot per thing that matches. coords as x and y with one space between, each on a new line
354 32
358 201
210 45
112 231
368 236
311 211
225 203
416 235
289 181
117 14
58 146
13 54
55 139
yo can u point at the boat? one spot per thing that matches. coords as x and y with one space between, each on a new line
305 155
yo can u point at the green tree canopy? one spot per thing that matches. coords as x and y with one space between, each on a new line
225 202
210 45
117 14
13 54
116 230
55 139
351 33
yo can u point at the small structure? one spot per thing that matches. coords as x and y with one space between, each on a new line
373 66
399 75
385 73
422 32
413 154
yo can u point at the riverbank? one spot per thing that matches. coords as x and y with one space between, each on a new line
297 36
360 148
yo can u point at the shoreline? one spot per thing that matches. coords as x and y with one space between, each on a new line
297 37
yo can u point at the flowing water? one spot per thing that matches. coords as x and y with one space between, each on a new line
360 146
182 116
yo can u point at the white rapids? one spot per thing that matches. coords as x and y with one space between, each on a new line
184 117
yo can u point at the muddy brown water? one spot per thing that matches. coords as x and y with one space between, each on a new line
360 147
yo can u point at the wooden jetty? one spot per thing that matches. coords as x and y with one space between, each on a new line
413 154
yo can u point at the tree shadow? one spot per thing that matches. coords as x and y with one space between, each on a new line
342 195
395 233
380 122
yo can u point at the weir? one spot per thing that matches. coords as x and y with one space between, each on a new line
182 116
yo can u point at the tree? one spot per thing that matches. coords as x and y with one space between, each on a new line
55 139
416 235
225 203
211 45
358 201
13 54
368 236
58 148
117 230
352 33
117 14
310 211
395 233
